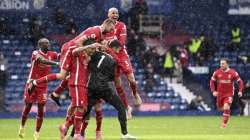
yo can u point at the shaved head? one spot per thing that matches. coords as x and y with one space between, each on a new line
43 44
43 40
113 9
113 14
108 25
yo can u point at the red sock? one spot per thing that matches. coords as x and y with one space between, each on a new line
122 96
226 115
69 121
78 122
85 124
61 87
26 111
39 119
98 118
46 79
133 87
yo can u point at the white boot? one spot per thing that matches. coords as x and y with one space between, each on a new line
128 137
21 132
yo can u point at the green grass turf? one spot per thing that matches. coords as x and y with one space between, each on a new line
146 128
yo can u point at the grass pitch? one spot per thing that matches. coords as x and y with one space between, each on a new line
145 128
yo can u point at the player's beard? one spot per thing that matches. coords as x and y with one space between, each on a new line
45 49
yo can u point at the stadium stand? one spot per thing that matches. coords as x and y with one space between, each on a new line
181 22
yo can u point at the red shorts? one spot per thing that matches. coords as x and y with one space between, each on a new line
124 64
223 100
79 97
39 95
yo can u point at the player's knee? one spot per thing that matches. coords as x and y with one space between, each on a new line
131 77
98 107
79 112
28 105
79 109
60 76
226 106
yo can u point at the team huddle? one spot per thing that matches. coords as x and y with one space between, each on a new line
90 64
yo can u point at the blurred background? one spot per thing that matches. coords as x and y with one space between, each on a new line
174 46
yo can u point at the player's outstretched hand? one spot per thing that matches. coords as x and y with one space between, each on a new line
240 94
138 100
215 93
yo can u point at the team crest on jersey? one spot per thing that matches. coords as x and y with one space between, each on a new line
219 75
93 36
35 53
229 76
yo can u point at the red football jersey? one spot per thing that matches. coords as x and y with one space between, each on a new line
120 33
91 32
38 69
65 48
77 66
225 82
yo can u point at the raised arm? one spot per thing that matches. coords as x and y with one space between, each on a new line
79 41
79 49
82 48
122 34
112 53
